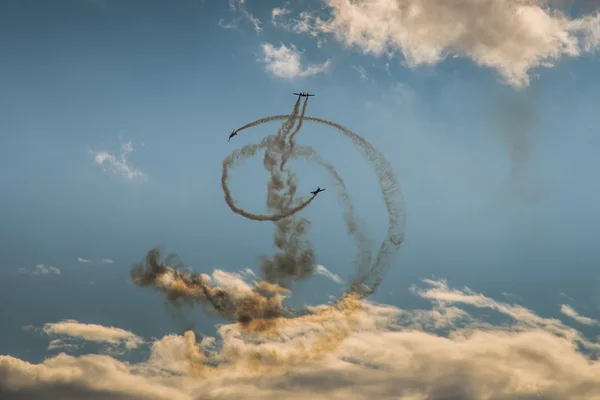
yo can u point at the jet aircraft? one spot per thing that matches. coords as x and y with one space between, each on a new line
316 192
232 134
303 94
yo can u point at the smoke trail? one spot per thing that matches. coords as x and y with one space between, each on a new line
296 259
234 160
260 307
292 142
367 282
233 300
353 226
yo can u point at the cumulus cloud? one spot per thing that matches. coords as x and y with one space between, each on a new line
286 62
40 269
510 36
120 166
573 314
69 330
355 350
95 262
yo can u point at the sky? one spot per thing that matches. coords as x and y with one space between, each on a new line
115 118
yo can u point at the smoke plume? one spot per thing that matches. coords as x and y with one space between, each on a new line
261 307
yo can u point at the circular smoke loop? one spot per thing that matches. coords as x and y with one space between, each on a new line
263 303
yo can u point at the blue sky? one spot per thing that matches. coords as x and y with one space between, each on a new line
115 117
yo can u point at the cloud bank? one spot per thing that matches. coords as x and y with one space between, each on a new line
510 36
353 350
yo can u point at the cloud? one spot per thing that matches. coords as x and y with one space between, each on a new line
512 36
120 165
95 262
361 71
285 62
571 313
40 269
355 350
70 329
239 6
57 344
276 14
321 270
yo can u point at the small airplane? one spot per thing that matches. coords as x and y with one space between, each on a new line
303 94
319 190
232 134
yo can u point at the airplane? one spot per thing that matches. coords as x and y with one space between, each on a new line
232 134
303 94
316 192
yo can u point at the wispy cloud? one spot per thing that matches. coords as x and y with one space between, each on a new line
286 62
276 14
571 313
40 269
321 270
69 330
238 6
512 37
120 166
95 262
361 71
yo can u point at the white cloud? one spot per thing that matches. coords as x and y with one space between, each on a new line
57 344
276 13
510 36
71 329
239 6
321 270
95 262
286 62
120 166
40 269
361 71
358 350
573 314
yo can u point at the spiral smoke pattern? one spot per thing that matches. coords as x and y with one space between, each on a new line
295 259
